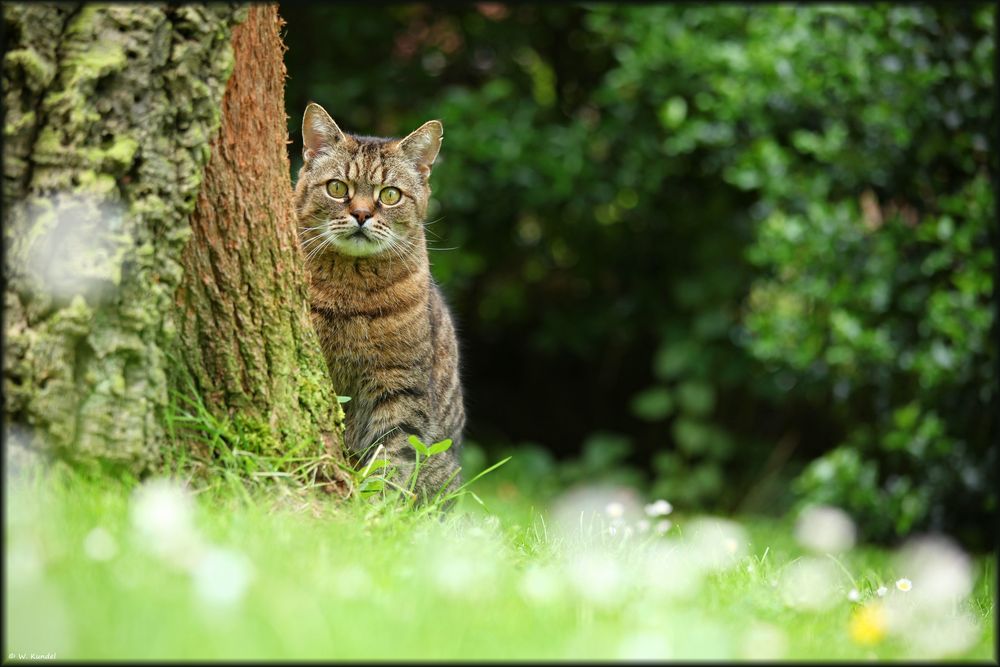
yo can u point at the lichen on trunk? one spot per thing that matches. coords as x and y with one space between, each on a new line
109 109
136 265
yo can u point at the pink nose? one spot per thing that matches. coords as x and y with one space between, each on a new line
361 214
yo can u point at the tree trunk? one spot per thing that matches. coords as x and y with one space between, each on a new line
245 325
110 115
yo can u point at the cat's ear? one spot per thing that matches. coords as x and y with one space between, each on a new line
422 145
319 132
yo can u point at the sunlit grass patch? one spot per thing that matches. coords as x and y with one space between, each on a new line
99 569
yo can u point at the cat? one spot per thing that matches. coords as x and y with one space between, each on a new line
385 329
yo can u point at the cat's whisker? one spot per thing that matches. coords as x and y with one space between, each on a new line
393 247
404 248
306 242
314 253
310 241
314 236
326 243
405 251
320 220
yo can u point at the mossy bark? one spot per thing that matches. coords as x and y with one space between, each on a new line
109 110
245 328
110 115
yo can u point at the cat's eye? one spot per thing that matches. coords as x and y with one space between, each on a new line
389 196
337 189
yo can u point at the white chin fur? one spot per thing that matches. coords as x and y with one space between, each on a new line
357 247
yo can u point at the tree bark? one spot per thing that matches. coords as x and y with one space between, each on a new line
133 261
245 325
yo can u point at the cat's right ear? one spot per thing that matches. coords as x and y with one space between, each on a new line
319 132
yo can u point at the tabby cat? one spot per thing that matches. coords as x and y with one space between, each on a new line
384 327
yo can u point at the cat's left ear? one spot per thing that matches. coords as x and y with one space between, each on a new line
422 145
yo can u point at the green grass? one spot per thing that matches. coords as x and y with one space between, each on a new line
358 581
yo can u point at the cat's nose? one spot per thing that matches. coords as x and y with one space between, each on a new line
361 214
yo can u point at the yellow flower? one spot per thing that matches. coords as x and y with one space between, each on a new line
867 625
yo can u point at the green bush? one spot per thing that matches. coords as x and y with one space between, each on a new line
741 244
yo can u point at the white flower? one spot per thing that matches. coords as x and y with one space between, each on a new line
659 508
669 569
455 573
904 584
663 526
763 641
825 529
807 584
719 543
882 590
615 510
100 545
354 582
941 572
853 595
944 636
540 584
645 645
162 514
222 576
24 563
596 577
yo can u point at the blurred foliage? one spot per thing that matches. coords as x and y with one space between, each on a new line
708 248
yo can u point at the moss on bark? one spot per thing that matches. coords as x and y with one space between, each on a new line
109 112
245 328
151 240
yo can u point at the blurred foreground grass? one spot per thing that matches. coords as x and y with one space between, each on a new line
99 569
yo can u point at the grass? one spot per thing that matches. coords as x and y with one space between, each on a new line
269 572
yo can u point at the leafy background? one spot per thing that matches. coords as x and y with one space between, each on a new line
739 257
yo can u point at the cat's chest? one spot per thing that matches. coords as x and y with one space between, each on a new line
360 339
347 343
369 320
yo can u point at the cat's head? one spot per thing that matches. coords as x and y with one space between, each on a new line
363 196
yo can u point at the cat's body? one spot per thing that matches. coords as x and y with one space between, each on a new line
384 327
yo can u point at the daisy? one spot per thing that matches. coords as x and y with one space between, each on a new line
614 510
904 584
663 526
659 508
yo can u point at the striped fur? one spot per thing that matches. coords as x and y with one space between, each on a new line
384 327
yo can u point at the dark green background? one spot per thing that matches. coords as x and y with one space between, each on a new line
738 256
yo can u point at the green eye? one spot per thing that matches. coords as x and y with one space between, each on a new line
337 188
389 196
